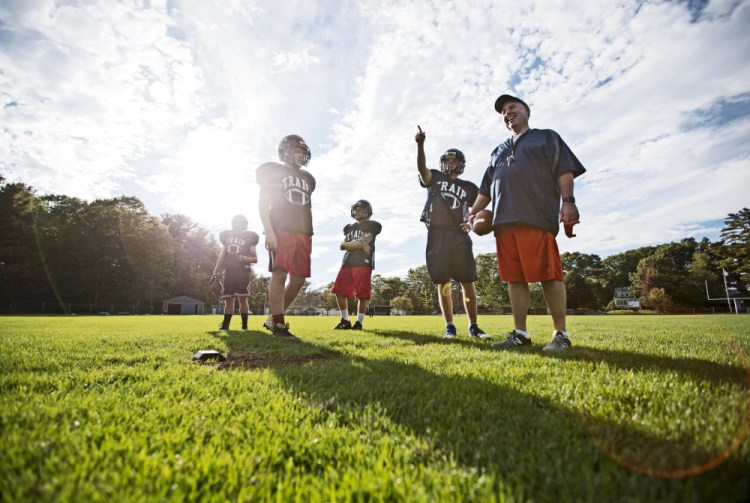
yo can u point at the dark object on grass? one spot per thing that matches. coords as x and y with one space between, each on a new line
209 354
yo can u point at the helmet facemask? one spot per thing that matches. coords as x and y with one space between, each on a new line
452 162
294 151
239 223
361 210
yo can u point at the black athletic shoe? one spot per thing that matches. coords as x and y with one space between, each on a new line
344 325
268 324
513 340
282 330
357 326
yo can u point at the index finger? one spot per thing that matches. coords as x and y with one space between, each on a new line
420 129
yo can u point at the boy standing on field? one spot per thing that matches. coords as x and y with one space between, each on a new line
286 214
354 277
449 247
237 255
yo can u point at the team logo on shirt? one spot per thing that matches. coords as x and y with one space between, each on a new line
297 190
453 193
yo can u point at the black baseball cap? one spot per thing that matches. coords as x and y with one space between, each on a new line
504 98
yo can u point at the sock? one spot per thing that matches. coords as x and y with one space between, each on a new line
566 334
244 319
227 319
360 317
449 324
278 318
522 332
345 314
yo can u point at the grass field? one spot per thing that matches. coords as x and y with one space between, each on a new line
643 408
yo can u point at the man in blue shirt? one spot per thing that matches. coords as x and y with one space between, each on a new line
525 180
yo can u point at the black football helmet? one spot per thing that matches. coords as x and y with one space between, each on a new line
361 210
452 161
289 146
239 223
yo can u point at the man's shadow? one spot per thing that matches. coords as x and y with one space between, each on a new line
498 427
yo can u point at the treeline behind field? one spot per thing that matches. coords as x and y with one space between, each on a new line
62 249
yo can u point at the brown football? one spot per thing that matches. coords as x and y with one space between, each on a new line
482 224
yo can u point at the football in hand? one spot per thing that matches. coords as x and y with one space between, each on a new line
482 224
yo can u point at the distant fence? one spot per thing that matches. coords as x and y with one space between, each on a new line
38 307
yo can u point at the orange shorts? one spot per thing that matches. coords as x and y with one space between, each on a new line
528 254
292 253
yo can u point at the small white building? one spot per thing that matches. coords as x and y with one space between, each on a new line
183 305
623 298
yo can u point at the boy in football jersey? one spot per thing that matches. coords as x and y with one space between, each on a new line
354 277
449 247
286 214
237 255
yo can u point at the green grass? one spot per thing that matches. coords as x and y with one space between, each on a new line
653 408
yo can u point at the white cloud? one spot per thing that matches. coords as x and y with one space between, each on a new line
180 100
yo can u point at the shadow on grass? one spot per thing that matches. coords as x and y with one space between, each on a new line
422 339
699 369
546 450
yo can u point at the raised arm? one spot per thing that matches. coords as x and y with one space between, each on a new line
424 173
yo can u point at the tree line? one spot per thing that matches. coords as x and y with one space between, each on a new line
64 250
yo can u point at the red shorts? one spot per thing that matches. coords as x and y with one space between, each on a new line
353 280
292 253
527 254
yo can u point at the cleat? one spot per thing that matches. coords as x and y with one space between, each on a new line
282 330
268 324
560 342
357 326
343 325
477 332
513 340
450 332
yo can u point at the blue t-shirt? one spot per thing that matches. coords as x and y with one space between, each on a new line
521 179
448 201
358 257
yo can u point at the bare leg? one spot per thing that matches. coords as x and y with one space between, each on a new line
229 305
292 289
244 305
520 300
470 301
554 295
276 292
362 306
342 302
446 303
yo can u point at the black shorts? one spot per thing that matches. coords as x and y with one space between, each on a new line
450 256
236 283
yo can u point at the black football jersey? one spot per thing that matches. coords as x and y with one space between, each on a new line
352 232
290 190
448 201
236 244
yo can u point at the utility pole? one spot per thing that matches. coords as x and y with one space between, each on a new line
726 289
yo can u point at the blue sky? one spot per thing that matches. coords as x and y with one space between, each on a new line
177 102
